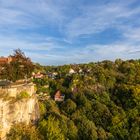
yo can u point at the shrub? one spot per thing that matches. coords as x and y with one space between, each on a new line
22 95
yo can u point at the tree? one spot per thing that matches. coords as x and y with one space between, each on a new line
101 102
72 133
50 129
102 135
87 130
135 130
23 132
69 106
19 68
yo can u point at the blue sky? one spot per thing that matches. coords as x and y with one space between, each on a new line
56 32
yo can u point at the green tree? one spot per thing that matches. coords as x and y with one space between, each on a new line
23 132
19 68
50 129
135 130
86 130
72 133
69 106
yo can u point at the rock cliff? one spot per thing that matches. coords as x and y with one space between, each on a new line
13 111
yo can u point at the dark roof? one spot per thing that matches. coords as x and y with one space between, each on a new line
4 83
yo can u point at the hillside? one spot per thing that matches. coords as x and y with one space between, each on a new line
100 101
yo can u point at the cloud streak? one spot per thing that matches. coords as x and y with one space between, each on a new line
59 32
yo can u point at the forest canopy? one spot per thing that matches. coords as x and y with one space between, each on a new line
102 102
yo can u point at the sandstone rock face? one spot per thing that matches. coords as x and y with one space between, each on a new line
14 111
14 90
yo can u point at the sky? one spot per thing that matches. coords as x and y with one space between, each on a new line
57 32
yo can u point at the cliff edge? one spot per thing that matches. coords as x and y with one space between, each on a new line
15 110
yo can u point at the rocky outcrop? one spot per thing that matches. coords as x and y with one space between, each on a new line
14 111
14 90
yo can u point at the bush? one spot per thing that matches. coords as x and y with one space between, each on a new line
23 132
23 95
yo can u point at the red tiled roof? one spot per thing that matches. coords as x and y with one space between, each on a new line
4 60
58 94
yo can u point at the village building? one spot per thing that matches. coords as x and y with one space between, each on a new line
59 97
80 70
52 75
5 60
38 75
55 73
71 71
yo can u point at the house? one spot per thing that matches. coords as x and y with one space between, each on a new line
71 71
55 73
5 60
59 97
80 70
52 75
37 75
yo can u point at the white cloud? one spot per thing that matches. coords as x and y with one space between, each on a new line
10 43
94 19
61 16
132 34
30 14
